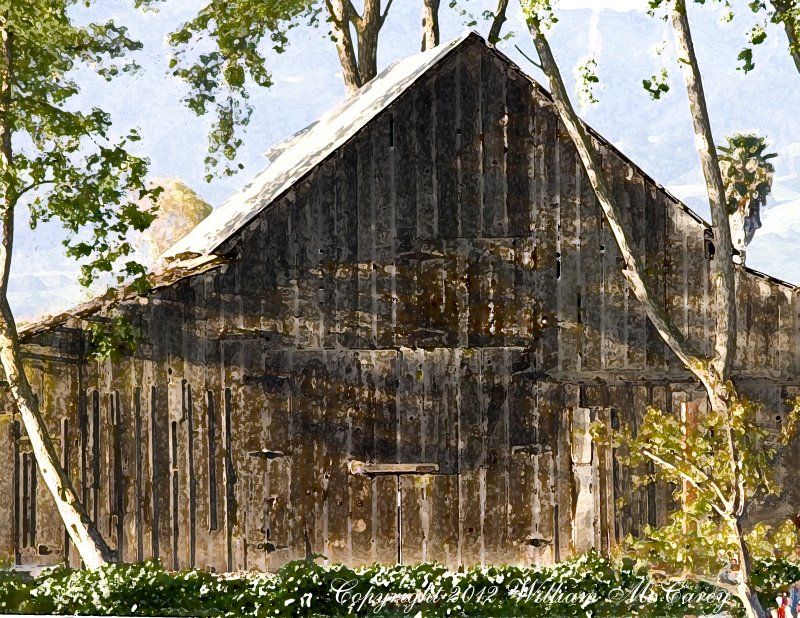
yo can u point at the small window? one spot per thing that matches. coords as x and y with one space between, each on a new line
708 245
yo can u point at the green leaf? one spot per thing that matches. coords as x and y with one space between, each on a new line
746 56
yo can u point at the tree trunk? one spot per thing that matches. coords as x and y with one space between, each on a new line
794 42
339 11
90 545
430 24
722 274
368 26
84 534
783 9
633 269
725 287
498 21
713 375
744 587
359 62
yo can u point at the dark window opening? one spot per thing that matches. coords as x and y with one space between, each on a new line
558 265
116 491
188 407
137 433
230 476
173 466
112 489
65 457
28 506
710 250
95 454
211 421
708 244
156 472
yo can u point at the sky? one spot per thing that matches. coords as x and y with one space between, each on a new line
619 34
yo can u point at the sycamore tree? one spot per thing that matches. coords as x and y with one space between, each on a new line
785 13
725 461
65 166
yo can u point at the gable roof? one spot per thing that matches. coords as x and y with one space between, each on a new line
298 155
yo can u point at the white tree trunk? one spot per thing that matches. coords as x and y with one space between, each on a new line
711 375
738 234
430 24
84 534
722 275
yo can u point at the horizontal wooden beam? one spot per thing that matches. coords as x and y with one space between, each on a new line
370 469
266 454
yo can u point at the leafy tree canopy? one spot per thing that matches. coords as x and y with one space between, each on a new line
223 49
68 165
695 458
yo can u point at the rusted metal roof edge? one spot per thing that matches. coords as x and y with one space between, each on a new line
113 296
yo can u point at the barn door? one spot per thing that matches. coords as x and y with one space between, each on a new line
418 516
428 518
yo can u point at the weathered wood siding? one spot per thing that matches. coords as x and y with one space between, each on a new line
442 291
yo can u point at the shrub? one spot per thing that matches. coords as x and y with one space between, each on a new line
15 589
591 585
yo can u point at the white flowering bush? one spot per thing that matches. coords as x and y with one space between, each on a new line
591 585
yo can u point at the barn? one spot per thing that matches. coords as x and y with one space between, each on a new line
390 347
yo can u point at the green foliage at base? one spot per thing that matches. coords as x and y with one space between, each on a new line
587 586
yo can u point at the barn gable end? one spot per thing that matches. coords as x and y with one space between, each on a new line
417 322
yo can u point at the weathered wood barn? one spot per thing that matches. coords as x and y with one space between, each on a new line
389 347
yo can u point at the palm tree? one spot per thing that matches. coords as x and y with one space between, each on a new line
747 175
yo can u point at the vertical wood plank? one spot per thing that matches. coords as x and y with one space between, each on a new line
340 403
471 160
547 249
448 136
569 299
471 460
637 318
525 449
519 159
385 231
494 378
654 258
494 121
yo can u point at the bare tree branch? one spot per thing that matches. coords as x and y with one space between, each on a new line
722 511
528 58
697 484
498 21
385 13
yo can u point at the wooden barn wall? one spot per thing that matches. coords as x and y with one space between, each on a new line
443 291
